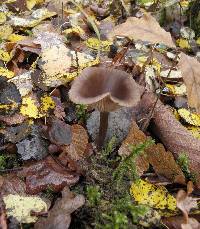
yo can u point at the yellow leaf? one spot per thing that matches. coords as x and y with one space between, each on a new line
2 17
198 41
16 37
184 3
177 90
195 131
46 104
5 31
29 108
4 56
5 72
191 118
183 43
20 207
31 3
154 196
94 43
77 30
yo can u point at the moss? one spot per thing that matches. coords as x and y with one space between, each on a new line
183 162
107 205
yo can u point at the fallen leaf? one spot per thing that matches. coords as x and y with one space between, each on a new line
59 216
10 98
12 119
5 31
34 19
77 148
33 146
162 161
23 83
177 139
145 28
60 133
47 173
189 67
20 207
154 196
5 72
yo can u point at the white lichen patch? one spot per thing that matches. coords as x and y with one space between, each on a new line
20 207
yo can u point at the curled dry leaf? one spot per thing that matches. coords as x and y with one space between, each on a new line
172 133
145 28
189 67
162 161
47 173
59 216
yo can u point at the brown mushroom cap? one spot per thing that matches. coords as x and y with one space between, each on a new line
105 89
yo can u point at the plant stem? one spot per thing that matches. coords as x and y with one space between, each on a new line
102 129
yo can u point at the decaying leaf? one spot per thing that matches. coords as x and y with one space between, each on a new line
47 173
10 98
77 149
5 72
154 196
59 216
34 19
162 161
177 139
145 28
23 83
20 207
189 67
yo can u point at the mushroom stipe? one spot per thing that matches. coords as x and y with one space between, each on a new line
107 90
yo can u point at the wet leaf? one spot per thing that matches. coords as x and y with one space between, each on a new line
47 173
59 216
145 28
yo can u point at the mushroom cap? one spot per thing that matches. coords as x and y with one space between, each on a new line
105 89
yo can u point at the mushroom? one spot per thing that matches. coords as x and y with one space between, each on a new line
107 90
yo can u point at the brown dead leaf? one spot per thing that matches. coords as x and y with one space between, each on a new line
77 149
162 161
172 133
59 216
145 28
47 173
12 119
12 185
189 67
185 203
176 222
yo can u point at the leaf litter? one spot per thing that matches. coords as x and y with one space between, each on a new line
46 146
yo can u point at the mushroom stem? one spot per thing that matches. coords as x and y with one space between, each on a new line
102 129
